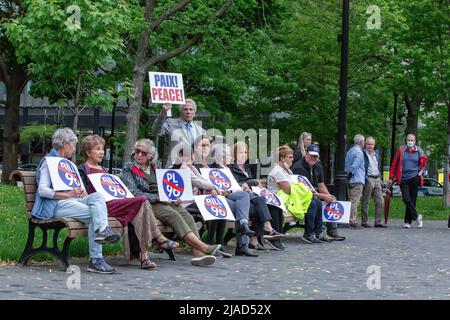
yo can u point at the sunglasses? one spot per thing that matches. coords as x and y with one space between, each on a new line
140 152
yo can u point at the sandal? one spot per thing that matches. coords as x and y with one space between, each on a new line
170 245
147 264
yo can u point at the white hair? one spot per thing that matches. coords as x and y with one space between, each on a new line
186 101
219 150
61 136
150 145
358 139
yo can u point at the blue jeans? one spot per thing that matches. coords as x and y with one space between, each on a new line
239 203
90 210
313 218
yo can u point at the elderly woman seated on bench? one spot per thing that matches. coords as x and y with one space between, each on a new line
75 204
135 211
139 174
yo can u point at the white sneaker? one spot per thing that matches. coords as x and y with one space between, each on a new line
407 226
203 261
419 221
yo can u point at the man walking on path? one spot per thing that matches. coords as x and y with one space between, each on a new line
372 187
356 176
407 168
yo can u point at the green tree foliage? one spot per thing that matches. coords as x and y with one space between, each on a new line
72 47
35 132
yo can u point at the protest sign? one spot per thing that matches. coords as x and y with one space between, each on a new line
110 186
338 212
166 87
221 178
271 198
214 208
174 184
64 174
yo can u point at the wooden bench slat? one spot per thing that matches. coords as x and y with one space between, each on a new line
30 189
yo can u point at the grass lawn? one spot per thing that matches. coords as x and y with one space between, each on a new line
14 230
14 224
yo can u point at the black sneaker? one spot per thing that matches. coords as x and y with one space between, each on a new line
276 245
99 265
335 236
223 252
311 239
108 235
323 237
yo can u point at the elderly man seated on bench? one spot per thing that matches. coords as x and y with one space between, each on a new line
75 204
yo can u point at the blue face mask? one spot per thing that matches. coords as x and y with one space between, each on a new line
410 144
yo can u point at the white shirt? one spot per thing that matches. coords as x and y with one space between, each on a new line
373 164
277 174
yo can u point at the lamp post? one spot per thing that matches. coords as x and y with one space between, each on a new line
340 176
113 122
394 128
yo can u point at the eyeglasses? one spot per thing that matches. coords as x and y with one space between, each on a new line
140 152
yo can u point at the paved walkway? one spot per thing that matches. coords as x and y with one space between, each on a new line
414 264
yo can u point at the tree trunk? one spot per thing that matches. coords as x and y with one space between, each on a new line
134 111
11 148
76 115
446 192
412 118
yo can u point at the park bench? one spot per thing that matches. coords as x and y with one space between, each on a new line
75 228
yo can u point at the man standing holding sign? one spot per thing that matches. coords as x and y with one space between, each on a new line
167 88
182 130
310 167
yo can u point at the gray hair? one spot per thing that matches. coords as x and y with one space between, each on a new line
150 145
186 101
358 139
219 150
370 138
61 136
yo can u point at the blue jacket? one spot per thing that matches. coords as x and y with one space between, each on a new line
44 208
366 162
354 165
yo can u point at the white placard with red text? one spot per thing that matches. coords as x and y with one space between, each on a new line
110 186
223 179
214 208
174 184
271 198
338 211
64 174
166 87
295 178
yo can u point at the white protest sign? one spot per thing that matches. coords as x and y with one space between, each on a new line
214 208
221 178
166 87
110 186
64 174
295 178
174 184
338 211
271 198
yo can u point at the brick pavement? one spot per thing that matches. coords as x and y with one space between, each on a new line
414 264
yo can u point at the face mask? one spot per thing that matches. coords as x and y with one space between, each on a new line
410 144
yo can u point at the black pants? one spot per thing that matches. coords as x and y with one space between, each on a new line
260 213
409 190
277 218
